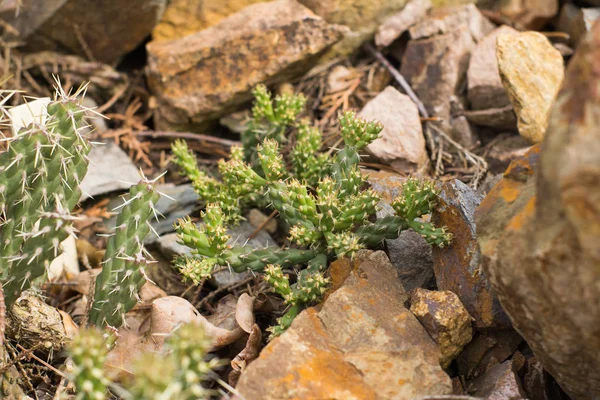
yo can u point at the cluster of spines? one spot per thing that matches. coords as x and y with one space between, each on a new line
123 268
40 174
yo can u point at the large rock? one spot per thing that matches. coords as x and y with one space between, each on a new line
436 68
458 266
401 145
485 89
547 232
445 319
184 17
530 14
532 71
363 344
208 74
447 20
108 28
363 17
32 14
499 383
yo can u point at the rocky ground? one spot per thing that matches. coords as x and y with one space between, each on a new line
498 101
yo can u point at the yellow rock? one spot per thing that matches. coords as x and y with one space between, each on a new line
532 71
184 17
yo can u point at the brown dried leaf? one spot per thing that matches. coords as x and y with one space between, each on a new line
246 356
244 313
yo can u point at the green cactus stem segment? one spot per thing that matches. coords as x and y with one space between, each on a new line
123 269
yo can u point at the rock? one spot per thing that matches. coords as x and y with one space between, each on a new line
436 68
32 14
499 383
387 184
462 132
538 384
393 27
532 71
208 74
499 118
182 202
110 28
363 17
488 348
256 218
577 22
401 145
411 255
547 230
363 344
169 247
506 148
529 14
184 17
485 88
110 170
445 319
448 20
340 78
458 266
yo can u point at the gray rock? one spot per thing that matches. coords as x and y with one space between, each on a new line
458 266
185 202
577 22
499 383
401 145
168 246
110 170
32 14
393 27
498 118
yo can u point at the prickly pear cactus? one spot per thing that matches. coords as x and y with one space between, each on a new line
323 199
123 270
40 172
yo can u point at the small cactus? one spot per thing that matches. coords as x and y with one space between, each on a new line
323 200
88 351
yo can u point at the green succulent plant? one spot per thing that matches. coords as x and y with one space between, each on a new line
323 198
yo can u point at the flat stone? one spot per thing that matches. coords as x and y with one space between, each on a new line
401 144
485 89
182 202
458 266
109 28
387 184
505 150
532 71
527 14
436 68
445 319
462 132
185 17
499 383
363 344
577 22
393 27
448 19
206 75
547 231
169 247
110 170
503 118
